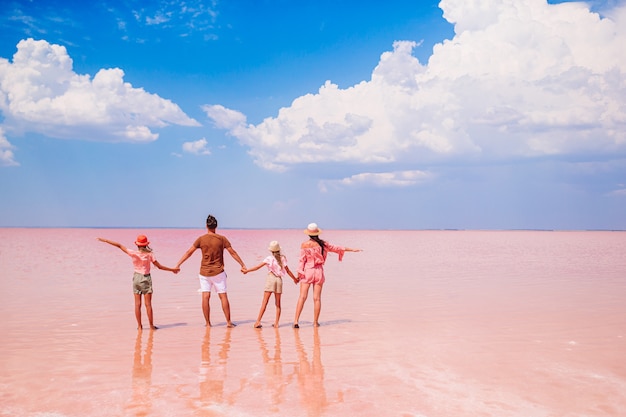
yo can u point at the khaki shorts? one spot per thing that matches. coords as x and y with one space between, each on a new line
273 284
142 284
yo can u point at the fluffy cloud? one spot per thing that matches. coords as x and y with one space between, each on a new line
384 179
6 151
519 79
198 147
40 92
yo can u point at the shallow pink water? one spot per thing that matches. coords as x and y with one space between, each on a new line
422 323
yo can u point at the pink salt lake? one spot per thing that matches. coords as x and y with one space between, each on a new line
421 323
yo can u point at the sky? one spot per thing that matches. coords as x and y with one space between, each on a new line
451 114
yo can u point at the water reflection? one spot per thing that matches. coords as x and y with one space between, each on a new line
275 382
310 375
212 373
141 403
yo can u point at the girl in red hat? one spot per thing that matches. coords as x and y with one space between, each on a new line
142 281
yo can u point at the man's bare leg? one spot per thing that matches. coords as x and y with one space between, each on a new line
206 308
226 309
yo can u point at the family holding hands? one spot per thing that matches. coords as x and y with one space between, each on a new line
212 276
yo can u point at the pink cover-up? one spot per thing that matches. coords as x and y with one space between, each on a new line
311 262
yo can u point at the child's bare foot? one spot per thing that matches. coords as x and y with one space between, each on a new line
231 325
207 324
153 327
275 325
257 325
316 324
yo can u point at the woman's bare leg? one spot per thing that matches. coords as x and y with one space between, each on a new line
138 310
277 300
317 303
148 299
304 292
266 299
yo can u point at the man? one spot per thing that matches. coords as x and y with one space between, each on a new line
212 275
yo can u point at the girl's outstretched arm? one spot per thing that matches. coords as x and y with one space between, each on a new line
117 245
254 268
165 268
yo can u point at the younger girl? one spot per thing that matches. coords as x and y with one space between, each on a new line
142 281
277 269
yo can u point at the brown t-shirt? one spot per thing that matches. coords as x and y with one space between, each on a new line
212 246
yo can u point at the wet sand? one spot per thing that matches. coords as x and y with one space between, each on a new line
422 323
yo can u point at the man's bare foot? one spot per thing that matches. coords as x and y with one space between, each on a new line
231 325
316 324
275 325
257 325
207 324
153 327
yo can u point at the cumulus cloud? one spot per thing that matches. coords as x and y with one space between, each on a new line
198 147
380 179
518 79
40 92
6 151
620 192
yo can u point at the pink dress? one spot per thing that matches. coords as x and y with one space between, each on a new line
311 263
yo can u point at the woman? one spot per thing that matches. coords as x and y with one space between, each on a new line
313 254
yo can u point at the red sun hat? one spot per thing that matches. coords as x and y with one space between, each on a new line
142 240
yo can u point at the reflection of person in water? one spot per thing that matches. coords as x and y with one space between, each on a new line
213 372
141 402
274 379
310 376
213 376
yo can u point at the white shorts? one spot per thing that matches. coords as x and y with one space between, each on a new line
217 281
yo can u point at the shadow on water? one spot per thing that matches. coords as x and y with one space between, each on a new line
304 323
169 326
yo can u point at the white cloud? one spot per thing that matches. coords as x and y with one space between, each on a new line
379 179
184 17
224 118
519 79
40 92
199 147
6 151
620 192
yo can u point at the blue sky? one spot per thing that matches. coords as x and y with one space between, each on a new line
489 114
